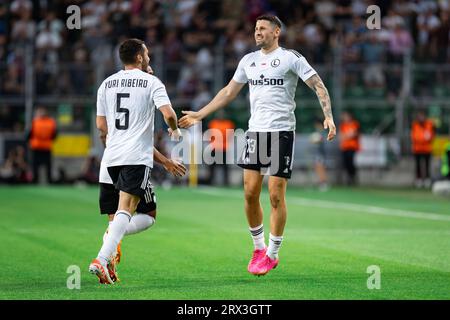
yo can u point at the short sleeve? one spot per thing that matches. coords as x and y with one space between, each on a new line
302 68
160 97
101 101
239 74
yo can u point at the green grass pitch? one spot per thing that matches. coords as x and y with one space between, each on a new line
200 246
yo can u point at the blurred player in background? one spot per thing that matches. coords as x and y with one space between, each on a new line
317 140
125 116
220 146
272 74
41 137
349 145
422 135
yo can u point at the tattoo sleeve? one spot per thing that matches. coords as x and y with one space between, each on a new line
316 84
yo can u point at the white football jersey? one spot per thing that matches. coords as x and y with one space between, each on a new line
272 79
128 99
104 177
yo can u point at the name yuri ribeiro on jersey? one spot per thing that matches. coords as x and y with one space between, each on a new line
126 83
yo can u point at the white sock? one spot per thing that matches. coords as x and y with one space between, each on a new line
115 233
106 232
258 237
139 222
274 246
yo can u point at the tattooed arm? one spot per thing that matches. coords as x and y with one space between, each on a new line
321 91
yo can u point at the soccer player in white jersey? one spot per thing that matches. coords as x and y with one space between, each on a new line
126 103
145 215
272 74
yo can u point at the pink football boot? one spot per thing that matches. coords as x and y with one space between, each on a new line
265 265
258 254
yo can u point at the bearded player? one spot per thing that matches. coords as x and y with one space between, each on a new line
126 103
272 74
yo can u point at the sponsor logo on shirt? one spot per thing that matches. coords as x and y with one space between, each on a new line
262 81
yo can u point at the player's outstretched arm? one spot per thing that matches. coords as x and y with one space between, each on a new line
102 127
174 167
222 98
316 84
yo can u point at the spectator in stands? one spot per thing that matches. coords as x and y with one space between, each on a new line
204 66
19 6
7 169
422 135
349 131
185 11
314 42
400 44
41 137
119 16
427 24
6 118
325 11
79 71
317 140
373 54
49 39
222 134
24 29
13 81
440 44
188 79
3 21
22 171
202 97
15 169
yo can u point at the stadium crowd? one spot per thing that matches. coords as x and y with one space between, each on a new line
188 32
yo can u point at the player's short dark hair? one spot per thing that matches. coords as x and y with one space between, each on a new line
271 18
129 49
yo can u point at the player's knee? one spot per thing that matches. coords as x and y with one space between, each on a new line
251 192
276 200
251 197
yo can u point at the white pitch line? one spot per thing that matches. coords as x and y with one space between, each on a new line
342 205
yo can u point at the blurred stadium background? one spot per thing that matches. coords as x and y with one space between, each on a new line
381 76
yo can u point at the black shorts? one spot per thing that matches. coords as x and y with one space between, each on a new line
109 201
135 180
271 153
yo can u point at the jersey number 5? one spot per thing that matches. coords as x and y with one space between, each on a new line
124 126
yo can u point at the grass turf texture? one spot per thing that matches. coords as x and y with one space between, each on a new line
200 246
